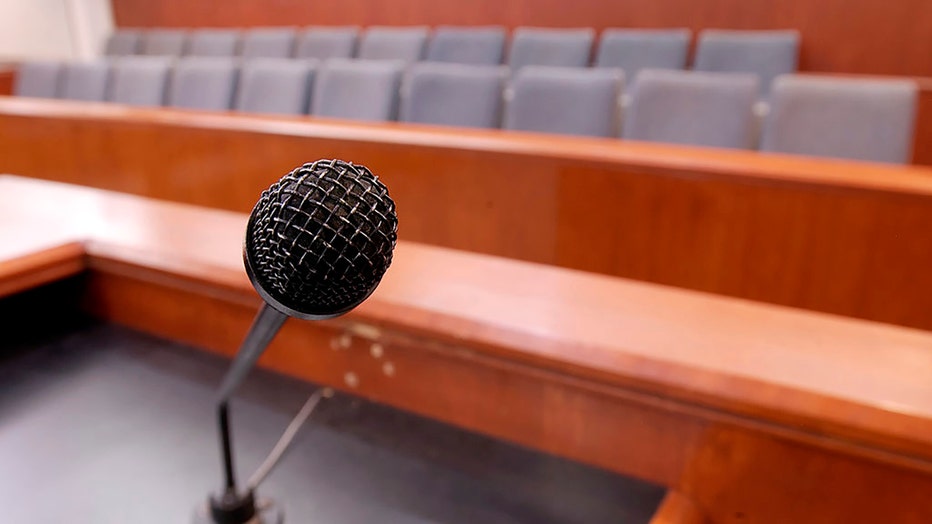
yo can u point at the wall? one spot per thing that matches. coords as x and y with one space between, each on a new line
53 29
38 29
854 36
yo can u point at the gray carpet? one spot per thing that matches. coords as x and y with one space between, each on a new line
103 425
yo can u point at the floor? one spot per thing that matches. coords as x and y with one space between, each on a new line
103 425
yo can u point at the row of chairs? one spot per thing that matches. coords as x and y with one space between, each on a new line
765 53
856 119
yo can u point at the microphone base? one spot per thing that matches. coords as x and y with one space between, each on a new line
267 512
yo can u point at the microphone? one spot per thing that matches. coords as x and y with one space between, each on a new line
317 244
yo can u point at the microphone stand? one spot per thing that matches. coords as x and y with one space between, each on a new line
231 506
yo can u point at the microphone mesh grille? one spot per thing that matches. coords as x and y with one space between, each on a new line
320 239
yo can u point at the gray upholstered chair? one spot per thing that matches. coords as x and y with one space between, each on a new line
85 81
453 94
565 100
550 47
325 42
275 85
203 83
123 42
357 89
139 80
268 42
634 49
764 53
213 42
860 119
688 107
38 79
164 42
467 45
393 43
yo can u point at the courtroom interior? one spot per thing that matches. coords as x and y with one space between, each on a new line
495 261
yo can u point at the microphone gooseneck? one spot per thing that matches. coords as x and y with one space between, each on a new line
317 244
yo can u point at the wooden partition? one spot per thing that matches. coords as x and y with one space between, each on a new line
840 237
7 76
747 412
852 36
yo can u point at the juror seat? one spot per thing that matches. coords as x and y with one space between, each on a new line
140 80
37 79
454 94
327 42
565 100
213 42
393 43
861 119
767 54
550 47
275 85
268 42
358 89
467 45
203 83
693 108
85 81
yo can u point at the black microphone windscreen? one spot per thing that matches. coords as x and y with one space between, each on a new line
320 239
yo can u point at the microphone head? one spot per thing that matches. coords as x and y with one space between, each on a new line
319 240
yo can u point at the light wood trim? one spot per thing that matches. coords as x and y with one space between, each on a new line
41 267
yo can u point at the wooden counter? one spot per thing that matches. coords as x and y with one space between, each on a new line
833 236
748 412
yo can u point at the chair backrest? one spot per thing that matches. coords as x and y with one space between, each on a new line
325 42
164 42
453 94
357 89
85 81
634 49
688 107
550 47
213 42
467 45
393 43
764 53
565 100
203 83
123 42
37 79
139 80
858 119
268 42
275 85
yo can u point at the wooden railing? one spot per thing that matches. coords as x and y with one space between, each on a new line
745 411
839 237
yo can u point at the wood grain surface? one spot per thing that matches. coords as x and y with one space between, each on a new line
751 412
840 237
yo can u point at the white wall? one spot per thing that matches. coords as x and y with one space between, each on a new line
53 29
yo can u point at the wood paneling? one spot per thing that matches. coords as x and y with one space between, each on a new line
922 140
751 413
840 237
7 77
838 35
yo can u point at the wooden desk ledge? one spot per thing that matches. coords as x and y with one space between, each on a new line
719 399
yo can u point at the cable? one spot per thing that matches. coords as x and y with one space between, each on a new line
287 437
